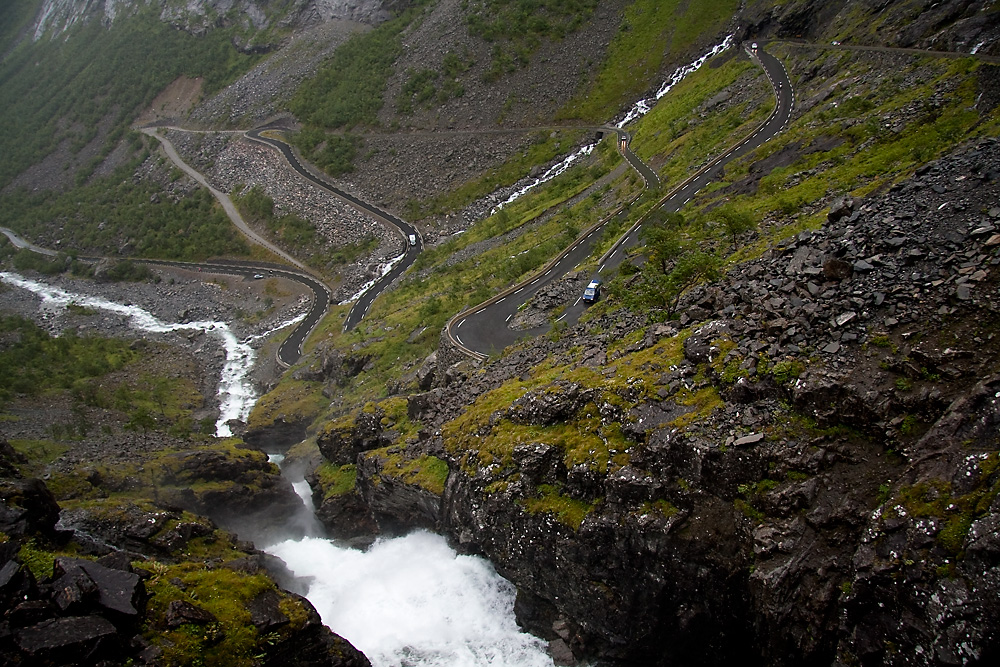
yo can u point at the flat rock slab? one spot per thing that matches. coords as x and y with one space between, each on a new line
73 639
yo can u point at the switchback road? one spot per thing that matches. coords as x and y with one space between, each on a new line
405 229
483 330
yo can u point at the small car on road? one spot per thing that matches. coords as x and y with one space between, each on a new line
593 292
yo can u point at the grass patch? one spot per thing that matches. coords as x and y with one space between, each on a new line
568 511
291 401
428 472
638 48
39 453
337 480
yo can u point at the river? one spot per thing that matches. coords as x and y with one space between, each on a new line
410 601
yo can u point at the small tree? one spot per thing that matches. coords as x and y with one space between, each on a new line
737 221
689 270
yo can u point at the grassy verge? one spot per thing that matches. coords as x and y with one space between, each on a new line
652 32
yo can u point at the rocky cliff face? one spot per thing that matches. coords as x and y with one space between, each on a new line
57 16
132 594
801 470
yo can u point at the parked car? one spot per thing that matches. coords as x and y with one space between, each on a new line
593 292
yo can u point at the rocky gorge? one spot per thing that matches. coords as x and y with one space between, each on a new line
800 467
797 465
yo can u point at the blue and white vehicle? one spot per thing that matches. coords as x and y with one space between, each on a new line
593 292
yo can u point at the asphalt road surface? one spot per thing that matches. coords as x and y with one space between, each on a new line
483 330
405 229
290 350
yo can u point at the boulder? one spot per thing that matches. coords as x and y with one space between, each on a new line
117 591
180 612
78 640
28 508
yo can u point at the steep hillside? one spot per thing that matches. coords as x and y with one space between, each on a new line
752 474
772 440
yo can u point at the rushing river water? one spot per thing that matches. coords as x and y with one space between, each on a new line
405 602
236 393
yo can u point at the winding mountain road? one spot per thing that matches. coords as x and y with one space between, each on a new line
483 329
405 229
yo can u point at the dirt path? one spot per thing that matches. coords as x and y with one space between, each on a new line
224 199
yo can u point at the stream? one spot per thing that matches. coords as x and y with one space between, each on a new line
410 601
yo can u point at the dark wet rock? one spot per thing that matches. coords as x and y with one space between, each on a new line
427 372
540 463
552 404
277 436
346 516
837 269
341 443
117 591
265 613
10 461
396 505
314 646
180 612
70 640
28 508
699 346
840 209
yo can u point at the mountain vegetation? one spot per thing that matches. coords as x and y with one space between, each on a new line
772 439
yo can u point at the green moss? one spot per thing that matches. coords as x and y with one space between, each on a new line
788 370
748 510
39 452
37 559
337 480
662 507
935 499
291 400
232 639
428 472
568 511
704 401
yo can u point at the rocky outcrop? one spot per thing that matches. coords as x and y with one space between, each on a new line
801 470
84 611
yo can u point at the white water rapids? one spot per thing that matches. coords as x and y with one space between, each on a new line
236 393
412 601
405 602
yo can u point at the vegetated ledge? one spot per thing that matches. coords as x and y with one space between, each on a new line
800 470
128 581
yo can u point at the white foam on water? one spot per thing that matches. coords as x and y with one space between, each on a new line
413 602
386 268
236 392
